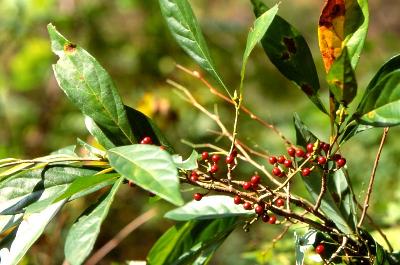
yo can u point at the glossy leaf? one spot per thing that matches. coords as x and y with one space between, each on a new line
91 150
210 207
342 80
90 88
289 52
343 23
352 130
9 221
149 167
192 242
186 30
257 32
143 126
83 233
334 208
188 164
25 188
381 104
85 183
16 244
98 133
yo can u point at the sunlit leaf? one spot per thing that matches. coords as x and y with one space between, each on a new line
210 207
288 51
97 133
303 243
188 164
192 242
83 233
90 88
186 30
149 167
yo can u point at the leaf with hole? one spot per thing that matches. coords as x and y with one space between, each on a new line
149 167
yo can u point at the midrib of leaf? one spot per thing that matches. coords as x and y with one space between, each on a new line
99 100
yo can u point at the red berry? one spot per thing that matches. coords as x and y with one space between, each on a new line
272 160
194 176
215 158
320 249
214 168
265 217
259 209
287 163
325 147
204 155
281 159
247 185
305 172
300 153
255 179
247 206
237 199
279 202
146 140
310 147
230 159
291 151
197 196
276 171
340 162
234 152
272 219
322 160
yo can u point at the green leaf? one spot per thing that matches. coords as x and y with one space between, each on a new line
27 187
333 207
303 243
352 130
83 233
9 221
210 207
192 242
143 126
85 183
186 30
98 133
288 51
342 80
380 101
261 25
149 167
188 164
355 28
93 151
90 88
16 244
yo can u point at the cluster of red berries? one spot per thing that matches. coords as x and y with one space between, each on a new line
258 208
317 155
230 160
146 140
252 183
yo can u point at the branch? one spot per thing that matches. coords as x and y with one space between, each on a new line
372 177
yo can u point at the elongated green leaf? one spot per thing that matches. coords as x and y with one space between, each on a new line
143 126
149 167
9 221
342 80
288 51
210 207
83 233
186 30
188 164
381 105
388 67
85 183
90 88
14 247
93 151
28 187
97 133
335 209
261 25
192 242
303 243
352 130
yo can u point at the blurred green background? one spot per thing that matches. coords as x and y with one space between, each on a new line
130 39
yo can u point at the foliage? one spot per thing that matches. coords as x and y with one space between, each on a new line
129 148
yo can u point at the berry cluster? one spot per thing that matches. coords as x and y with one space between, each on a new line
259 209
316 154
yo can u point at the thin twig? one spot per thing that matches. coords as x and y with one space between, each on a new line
129 228
322 192
372 177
